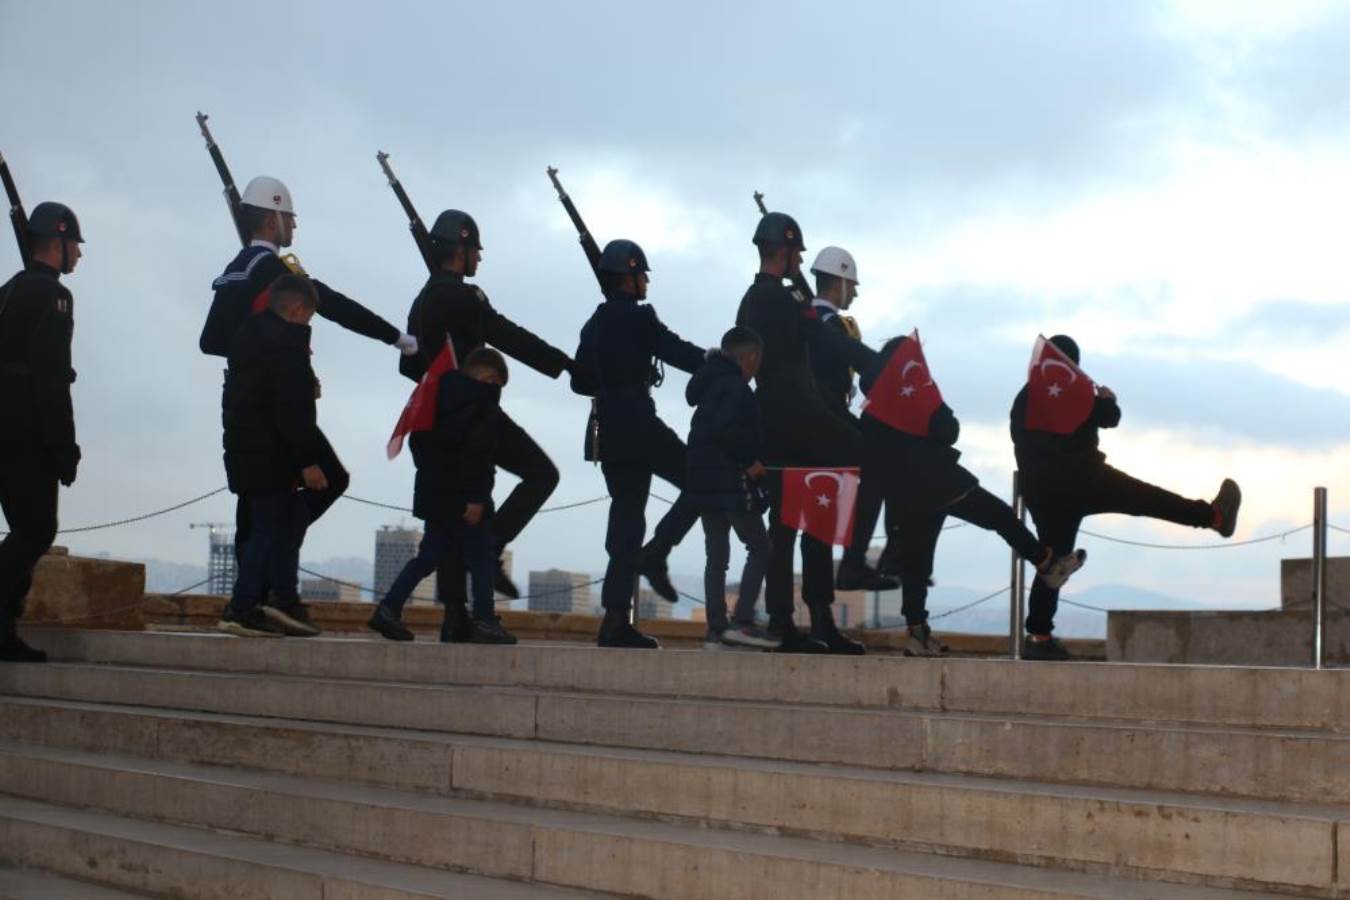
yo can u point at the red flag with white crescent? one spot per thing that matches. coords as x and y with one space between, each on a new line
1060 396
905 396
821 502
419 413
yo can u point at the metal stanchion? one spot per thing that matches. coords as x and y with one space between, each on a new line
1319 573
1017 585
636 615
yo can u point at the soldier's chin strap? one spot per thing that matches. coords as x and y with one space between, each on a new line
65 258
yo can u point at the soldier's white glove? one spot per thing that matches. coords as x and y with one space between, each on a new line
407 344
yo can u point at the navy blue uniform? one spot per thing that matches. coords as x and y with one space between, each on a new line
36 419
799 427
616 363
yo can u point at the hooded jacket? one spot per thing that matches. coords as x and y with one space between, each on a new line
455 458
1042 453
269 412
725 437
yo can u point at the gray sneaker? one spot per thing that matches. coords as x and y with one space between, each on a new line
750 636
922 643
713 640
1056 573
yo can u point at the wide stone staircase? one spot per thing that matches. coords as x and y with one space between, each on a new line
196 766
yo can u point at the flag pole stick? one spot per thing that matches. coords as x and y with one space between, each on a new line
1017 580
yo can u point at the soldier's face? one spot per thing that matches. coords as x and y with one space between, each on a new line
850 292
794 262
285 229
73 254
471 260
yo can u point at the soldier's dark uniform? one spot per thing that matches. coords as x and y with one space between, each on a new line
800 430
615 363
448 305
36 418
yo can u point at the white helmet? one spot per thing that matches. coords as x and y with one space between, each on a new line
268 193
836 261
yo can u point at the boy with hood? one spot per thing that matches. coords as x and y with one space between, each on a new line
722 474
925 483
453 495
1065 477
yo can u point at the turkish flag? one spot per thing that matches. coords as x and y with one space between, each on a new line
821 503
419 414
1060 396
905 396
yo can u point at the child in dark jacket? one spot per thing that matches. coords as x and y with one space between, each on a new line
453 495
272 448
925 481
722 470
1065 477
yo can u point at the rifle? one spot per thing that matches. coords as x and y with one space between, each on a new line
419 231
798 280
588 245
232 200
17 216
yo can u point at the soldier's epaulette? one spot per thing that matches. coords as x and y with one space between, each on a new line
63 303
797 295
478 292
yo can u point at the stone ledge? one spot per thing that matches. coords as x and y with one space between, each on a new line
80 592
1279 637
201 611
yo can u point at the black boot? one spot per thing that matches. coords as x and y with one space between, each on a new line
651 564
858 576
793 639
615 631
456 627
502 583
490 631
824 630
389 625
13 648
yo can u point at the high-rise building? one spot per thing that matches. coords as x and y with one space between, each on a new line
559 591
651 606
221 566
326 589
394 546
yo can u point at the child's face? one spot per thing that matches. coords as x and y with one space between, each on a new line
750 361
486 376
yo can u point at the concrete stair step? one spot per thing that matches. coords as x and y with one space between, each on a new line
1170 835
567 848
31 884
1213 695
1298 766
169 861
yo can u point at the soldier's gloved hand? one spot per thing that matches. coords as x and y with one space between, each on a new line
67 464
407 344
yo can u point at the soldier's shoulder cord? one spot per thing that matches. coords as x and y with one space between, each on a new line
292 262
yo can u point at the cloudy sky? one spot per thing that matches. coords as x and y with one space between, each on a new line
1165 181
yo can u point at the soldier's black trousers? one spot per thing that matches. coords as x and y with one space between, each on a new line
28 490
317 502
518 454
629 483
1059 502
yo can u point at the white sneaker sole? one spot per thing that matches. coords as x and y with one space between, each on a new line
292 627
234 628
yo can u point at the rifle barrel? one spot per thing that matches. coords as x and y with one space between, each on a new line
17 217
588 245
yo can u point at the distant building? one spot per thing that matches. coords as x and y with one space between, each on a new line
559 591
221 566
651 606
394 546
328 590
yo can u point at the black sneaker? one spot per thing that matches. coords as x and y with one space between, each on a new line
621 634
794 640
862 577
1045 651
291 616
15 650
502 583
456 627
652 566
1226 505
389 625
490 631
250 624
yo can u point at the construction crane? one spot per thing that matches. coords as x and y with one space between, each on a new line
221 565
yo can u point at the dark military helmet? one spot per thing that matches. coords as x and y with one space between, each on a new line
623 257
54 220
455 227
779 228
